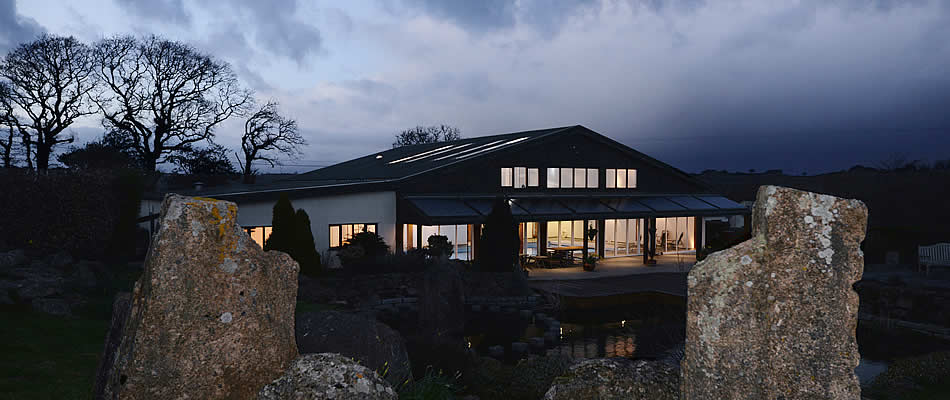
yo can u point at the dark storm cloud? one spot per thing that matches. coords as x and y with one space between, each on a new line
490 15
15 28
276 30
272 24
165 11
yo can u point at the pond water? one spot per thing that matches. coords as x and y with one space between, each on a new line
656 332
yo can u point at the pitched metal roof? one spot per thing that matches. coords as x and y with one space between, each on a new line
406 161
389 165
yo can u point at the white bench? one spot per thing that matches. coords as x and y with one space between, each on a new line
933 255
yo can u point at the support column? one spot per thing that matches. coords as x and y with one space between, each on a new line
476 240
601 228
542 238
419 243
652 253
584 250
399 232
698 237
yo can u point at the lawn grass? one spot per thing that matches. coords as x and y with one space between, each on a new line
48 357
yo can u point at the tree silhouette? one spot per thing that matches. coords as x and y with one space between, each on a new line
267 135
427 134
165 95
48 84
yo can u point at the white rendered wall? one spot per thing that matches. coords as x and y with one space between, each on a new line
375 207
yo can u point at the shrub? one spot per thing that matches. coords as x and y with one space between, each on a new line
373 245
500 241
282 221
440 246
67 210
432 386
303 249
292 235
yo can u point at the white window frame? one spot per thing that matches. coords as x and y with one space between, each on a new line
556 174
507 172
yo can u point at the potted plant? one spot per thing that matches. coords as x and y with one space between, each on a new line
590 262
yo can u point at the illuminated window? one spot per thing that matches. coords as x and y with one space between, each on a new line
580 177
506 177
592 178
340 233
532 177
258 233
622 178
567 178
521 177
554 178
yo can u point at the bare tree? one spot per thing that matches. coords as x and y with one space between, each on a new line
165 95
427 134
49 83
6 124
267 135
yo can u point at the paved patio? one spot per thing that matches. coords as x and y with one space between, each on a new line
616 267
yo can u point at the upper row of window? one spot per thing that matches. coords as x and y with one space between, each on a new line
568 178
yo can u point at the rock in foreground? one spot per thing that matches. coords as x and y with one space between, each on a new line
212 315
774 317
617 378
327 376
370 342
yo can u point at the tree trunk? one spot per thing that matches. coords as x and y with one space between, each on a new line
43 151
248 172
150 162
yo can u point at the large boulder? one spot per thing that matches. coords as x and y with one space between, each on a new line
442 301
775 316
120 314
12 259
212 314
327 376
617 378
369 342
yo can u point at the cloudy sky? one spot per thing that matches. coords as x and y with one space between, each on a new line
810 85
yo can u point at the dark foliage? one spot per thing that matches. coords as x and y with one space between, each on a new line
203 161
427 134
500 240
91 209
440 246
303 249
282 222
292 235
112 151
129 185
372 244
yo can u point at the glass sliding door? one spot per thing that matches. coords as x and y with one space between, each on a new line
675 234
623 237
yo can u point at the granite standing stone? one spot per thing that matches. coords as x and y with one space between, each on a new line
212 315
774 317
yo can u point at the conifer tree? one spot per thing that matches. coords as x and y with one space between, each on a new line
282 225
500 241
304 250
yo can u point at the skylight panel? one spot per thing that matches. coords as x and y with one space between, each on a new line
467 150
422 154
510 142
438 152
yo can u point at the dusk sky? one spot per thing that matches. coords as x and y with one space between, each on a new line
810 85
